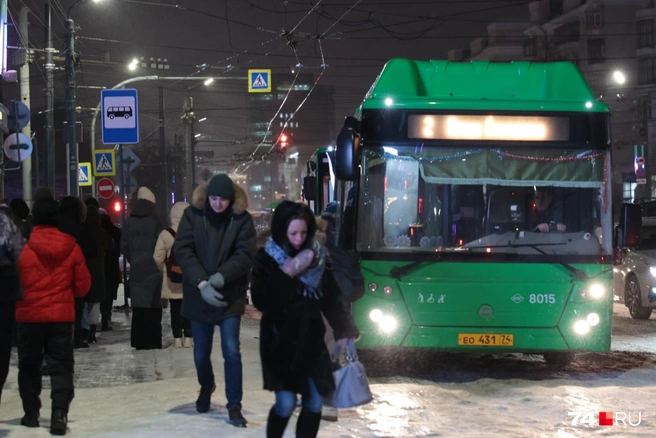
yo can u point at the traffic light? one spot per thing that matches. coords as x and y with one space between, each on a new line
117 206
283 141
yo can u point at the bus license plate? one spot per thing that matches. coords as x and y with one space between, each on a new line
485 340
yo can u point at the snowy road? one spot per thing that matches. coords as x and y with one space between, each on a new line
123 393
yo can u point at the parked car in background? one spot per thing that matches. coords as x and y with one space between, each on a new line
635 277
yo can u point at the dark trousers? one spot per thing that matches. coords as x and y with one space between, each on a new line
79 311
179 324
232 366
146 331
56 341
7 312
107 304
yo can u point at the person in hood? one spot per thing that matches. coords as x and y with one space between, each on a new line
11 245
96 266
214 246
53 273
138 241
294 288
171 286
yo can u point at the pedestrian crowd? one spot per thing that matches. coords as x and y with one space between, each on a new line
60 271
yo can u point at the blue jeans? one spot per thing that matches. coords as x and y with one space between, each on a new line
286 401
203 335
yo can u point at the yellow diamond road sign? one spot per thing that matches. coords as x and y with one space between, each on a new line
259 81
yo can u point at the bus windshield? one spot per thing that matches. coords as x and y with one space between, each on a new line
537 201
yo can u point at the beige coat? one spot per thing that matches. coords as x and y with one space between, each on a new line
171 291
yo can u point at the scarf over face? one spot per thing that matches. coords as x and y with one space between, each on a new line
312 276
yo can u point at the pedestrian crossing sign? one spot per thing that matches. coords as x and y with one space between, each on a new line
259 81
104 162
84 175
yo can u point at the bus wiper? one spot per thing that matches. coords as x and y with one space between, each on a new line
399 272
580 274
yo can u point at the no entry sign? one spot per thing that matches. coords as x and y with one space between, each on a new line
105 188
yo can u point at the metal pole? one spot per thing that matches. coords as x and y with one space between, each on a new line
187 119
126 285
50 104
71 140
162 156
26 167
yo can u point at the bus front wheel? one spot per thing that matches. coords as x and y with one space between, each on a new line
559 358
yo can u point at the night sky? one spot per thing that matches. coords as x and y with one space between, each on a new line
230 36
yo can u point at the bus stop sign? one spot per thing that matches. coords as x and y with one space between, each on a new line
120 116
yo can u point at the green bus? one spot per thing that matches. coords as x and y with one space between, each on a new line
442 180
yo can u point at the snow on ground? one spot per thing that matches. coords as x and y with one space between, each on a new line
121 392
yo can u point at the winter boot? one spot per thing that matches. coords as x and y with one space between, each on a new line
236 418
276 425
329 413
105 323
83 342
92 334
30 419
188 343
307 425
204 399
178 342
58 422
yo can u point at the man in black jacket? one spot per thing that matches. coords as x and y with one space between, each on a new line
214 246
11 245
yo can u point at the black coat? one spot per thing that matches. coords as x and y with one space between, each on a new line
96 263
203 248
292 331
73 227
138 241
112 255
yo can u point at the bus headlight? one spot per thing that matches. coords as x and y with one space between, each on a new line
581 327
597 290
376 315
593 319
388 324
652 270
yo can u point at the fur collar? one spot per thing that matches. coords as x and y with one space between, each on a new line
238 207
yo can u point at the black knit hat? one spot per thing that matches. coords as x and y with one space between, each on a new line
221 185
45 212
20 208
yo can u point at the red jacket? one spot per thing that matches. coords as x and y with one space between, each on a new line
53 272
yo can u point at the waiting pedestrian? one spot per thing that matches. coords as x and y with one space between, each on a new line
112 268
11 245
172 284
72 214
138 241
293 285
214 246
22 212
53 273
96 266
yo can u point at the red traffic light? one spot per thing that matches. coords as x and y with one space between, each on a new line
118 206
283 140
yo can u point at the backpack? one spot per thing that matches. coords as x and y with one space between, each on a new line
173 271
346 272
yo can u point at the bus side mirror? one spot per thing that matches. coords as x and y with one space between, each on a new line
347 151
629 233
310 188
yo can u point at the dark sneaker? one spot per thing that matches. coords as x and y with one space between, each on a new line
30 419
204 399
236 418
58 422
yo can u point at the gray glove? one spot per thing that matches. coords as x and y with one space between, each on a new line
217 281
211 296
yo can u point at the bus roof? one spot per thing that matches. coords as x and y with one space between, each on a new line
481 85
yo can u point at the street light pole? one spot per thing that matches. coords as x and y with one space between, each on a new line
71 140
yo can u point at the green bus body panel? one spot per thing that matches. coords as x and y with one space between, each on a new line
440 300
481 86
